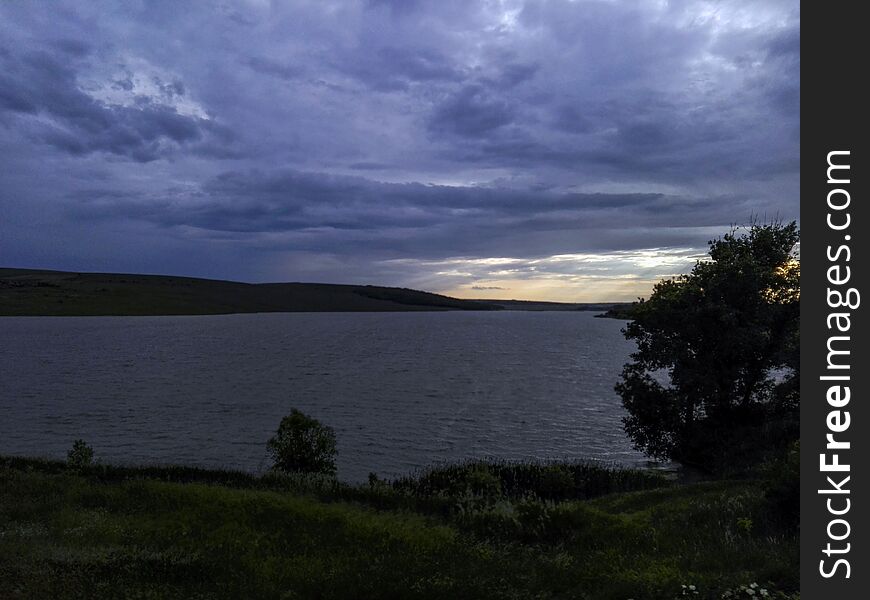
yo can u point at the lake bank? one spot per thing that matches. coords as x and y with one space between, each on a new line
66 534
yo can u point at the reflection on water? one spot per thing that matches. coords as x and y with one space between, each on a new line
402 390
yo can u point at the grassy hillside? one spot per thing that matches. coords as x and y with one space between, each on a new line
186 533
30 293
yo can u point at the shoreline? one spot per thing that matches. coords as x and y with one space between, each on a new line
101 531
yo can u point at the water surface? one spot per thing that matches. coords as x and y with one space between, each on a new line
402 390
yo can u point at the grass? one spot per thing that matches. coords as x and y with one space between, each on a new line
548 480
455 532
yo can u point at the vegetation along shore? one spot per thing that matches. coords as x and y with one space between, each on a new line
475 530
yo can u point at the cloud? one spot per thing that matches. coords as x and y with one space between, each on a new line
329 140
306 211
389 68
470 112
566 277
270 67
42 92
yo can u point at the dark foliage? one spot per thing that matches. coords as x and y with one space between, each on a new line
782 488
714 380
80 456
303 445
511 479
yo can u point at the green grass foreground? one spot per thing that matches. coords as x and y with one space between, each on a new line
468 531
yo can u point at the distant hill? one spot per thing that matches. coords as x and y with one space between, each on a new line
620 311
541 305
27 292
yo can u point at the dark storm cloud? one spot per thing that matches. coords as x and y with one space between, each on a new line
271 67
235 135
40 88
470 112
74 47
786 44
397 7
514 74
317 210
394 69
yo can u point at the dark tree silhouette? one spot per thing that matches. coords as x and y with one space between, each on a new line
714 379
303 445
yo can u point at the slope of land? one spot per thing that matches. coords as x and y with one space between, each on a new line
537 305
25 292
168 532
619 311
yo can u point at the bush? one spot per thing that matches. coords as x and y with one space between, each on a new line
782 488
303 444
80 456
510 479
556 482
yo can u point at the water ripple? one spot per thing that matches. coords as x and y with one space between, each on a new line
402 390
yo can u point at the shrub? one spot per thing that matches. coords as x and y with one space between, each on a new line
557 482
782 488
510 479
80 456
303 444
483 483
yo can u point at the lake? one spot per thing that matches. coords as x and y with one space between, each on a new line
402 390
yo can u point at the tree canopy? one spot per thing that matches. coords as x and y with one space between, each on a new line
714 379
303 444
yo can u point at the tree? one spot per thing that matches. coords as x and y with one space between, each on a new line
303 445
714 379
80 456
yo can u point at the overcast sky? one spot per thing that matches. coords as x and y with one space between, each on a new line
555 150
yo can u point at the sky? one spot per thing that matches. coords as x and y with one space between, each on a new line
554 150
